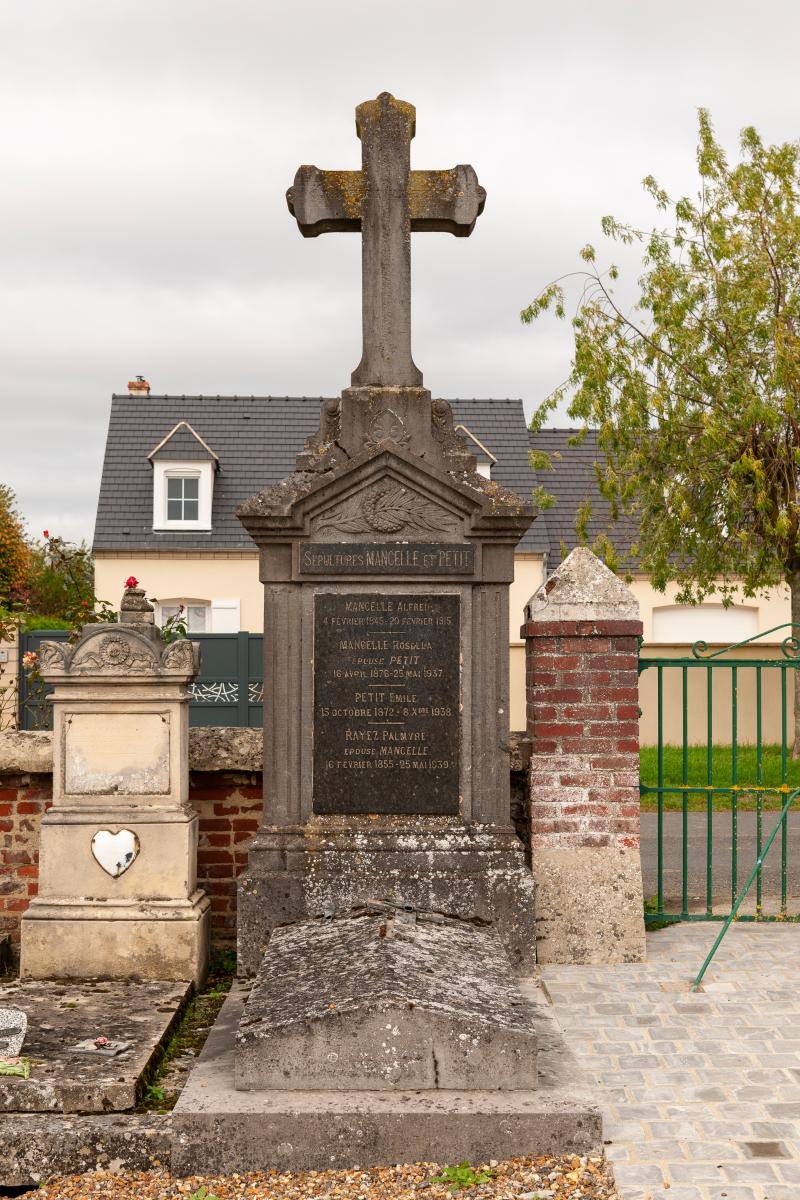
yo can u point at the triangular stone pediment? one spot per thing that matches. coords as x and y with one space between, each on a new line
386 497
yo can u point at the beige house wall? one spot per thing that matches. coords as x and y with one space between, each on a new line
718 628
222 575
210 577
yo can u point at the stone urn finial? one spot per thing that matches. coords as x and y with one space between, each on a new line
135 608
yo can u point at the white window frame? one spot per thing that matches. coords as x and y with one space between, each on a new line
175 469
174 602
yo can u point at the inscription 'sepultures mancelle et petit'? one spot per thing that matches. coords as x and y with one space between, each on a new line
369 558
386 703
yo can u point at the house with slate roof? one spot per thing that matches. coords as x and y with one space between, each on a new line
176 467
572 481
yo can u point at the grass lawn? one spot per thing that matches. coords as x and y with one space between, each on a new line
722 776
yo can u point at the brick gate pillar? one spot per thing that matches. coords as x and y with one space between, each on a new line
581 635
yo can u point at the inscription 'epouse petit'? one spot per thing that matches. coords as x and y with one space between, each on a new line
386 703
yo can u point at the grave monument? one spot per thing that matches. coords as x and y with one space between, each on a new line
386 895
118 894
386 561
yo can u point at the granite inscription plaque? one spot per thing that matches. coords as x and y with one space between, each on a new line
386 703
369 558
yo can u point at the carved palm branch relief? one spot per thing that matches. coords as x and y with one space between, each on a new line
389 509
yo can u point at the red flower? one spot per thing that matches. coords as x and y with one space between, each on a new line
131 582
46 533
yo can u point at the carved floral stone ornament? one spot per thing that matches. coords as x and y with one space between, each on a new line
387 426
115 852
390 508
125 651
115 652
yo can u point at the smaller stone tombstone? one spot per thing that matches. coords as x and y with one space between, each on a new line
118 890
13 1027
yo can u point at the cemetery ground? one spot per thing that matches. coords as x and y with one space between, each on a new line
700 1093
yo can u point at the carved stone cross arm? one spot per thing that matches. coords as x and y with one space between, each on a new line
385 201
438 201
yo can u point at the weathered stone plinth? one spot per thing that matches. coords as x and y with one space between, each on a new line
433 864
118 892
385 1000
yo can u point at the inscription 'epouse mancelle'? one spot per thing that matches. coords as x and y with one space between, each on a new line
386 703
368 558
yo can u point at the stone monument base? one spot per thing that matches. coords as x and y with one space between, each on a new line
436 864
145 939
219 1129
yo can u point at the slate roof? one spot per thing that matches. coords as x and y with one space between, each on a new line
257 439
571 482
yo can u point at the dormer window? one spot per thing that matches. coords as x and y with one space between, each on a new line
183 481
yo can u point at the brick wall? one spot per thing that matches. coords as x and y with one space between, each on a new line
228 804
229 807
23 799
582 716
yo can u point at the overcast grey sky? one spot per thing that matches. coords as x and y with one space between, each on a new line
146 146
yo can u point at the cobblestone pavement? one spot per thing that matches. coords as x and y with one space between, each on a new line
700 1092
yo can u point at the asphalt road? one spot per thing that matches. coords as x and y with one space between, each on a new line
721 858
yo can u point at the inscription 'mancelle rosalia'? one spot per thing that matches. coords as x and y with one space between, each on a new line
386 703
422 558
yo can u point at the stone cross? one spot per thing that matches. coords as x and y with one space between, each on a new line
386 201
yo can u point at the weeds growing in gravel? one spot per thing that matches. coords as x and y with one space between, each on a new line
462 1177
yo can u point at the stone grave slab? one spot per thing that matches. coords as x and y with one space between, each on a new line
37 1146
385 1000
13 1024
62 1017
216 1127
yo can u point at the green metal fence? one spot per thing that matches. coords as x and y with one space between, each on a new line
229 689
720 763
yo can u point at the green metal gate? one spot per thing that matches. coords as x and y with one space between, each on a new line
715 776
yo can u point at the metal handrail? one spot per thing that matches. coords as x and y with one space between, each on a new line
759 863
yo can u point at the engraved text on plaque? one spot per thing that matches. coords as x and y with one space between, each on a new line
386 703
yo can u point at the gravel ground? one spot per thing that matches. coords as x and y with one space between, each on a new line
569 1178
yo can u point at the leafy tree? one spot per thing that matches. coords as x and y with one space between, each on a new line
14 552
60 584
695 392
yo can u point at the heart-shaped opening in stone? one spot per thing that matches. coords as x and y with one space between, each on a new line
115 852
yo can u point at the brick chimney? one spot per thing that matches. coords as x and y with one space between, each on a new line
138 386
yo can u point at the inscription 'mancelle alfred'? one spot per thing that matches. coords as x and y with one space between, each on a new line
366 558
386 703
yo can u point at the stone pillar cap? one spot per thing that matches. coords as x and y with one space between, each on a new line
582 589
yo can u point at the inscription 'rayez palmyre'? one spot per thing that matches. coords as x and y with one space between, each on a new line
386 703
